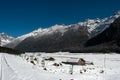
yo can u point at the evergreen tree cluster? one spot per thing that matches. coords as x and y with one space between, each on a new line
10 51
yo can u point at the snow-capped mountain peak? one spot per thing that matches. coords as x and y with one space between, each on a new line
40 32
4 39
90 24
45 31
91 27
117 13
96 26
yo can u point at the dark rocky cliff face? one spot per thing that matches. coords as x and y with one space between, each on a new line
107 40
110 34
72 40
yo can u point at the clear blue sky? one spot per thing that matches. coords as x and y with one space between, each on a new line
18 17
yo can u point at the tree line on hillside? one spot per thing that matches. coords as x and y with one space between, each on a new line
10 51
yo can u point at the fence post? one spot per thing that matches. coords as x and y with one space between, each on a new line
71 69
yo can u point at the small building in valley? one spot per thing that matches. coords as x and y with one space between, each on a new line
75 61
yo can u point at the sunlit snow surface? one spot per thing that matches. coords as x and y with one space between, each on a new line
16 68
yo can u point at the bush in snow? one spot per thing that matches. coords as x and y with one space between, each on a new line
50 59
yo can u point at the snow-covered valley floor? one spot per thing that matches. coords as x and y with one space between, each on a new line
106 67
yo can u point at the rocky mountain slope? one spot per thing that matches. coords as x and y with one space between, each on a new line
108 40
72 38
5 39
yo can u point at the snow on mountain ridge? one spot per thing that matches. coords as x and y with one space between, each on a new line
97 26
45 31
105 23
4 39
92 26
117 13
40 32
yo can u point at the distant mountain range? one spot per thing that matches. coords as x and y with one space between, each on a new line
99 35
5 39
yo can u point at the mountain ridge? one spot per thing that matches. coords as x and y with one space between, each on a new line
63 37
5 39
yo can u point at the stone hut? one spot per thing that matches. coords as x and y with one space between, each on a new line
75 61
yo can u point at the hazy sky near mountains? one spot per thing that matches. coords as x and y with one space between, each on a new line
18 17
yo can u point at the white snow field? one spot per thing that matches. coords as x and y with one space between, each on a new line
106 67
